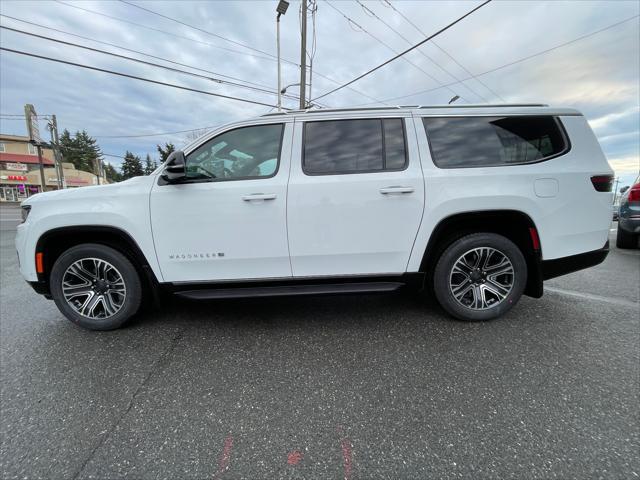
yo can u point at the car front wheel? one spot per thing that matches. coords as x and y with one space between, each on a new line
480 277
95 286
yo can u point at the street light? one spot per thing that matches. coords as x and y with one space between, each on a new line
281 9
284 90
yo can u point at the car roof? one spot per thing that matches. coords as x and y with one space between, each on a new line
432 110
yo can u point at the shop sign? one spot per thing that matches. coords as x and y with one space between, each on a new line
20 178
21 167
76 180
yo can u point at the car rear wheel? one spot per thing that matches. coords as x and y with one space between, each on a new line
625 239
95 286
480 277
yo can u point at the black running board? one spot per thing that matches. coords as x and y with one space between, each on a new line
286 290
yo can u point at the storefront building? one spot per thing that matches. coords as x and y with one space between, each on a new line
20 170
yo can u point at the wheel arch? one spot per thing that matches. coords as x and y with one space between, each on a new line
515 225
54 242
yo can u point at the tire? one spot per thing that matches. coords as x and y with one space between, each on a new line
101 290
625 239
483 293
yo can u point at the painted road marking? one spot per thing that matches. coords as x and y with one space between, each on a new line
347 458
294 457
225 458
597 298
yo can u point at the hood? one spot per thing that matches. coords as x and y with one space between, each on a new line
85 192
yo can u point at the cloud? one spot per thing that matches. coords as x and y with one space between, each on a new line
598 75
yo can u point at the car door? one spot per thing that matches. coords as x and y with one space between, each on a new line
227 220
356 196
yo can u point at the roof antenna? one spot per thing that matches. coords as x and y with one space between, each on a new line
457 97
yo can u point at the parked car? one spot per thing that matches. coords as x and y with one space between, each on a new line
629 217
615 209
477 204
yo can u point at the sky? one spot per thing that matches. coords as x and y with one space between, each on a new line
598 74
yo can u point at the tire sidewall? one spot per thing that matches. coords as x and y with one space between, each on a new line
453 253
120 262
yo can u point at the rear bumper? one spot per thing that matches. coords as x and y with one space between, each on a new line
562 266
630 224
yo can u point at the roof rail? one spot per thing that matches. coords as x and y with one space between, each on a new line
360 109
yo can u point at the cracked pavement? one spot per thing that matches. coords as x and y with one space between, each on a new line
364 386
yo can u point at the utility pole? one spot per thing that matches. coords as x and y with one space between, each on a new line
98 169
57 154
303 57
615 190
42 182
34 137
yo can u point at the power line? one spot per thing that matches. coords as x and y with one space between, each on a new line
163 31
216 80
21 117
387 2
232 41
209 44
353 22
158 134
520 60
372 13
157 82
459 19
201 30
133 51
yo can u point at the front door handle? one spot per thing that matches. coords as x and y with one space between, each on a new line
396 189
259 196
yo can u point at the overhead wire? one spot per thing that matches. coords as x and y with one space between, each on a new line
520 60
134 77
382 42
112 17
421 52
173 19
404 52
388 4
46 27
158 134
137 60
270 57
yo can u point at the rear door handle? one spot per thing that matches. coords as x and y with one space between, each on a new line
395 189
259 196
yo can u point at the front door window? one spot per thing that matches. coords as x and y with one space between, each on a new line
243 153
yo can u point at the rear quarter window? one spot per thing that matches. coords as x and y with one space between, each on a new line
462 142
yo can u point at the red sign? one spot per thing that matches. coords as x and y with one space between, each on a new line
17 177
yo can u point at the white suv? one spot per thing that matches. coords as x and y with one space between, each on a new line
478 204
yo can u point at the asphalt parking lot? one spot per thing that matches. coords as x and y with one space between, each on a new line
349 387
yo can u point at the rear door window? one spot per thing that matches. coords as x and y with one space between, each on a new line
459 142
354 146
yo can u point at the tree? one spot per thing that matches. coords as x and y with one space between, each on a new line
149 165
111 173
164 152
131 166
80 149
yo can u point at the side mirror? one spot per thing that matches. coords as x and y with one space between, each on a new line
175 168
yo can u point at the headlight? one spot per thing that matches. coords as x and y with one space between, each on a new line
25 212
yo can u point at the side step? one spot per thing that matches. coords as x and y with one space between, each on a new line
286 290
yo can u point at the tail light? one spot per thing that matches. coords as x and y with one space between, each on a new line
634 193
602 183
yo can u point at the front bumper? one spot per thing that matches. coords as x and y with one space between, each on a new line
42 288
562 266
